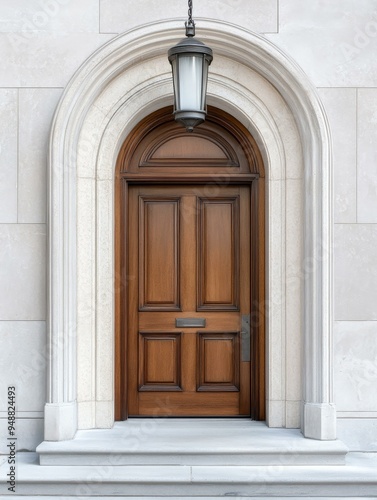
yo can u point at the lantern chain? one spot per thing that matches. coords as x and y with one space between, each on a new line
190 21
190 25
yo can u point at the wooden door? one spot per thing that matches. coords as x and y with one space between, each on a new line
188 287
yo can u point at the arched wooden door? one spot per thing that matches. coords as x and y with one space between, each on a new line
189 332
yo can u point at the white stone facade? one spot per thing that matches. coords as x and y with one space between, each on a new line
323 356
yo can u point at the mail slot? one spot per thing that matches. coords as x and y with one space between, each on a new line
190 322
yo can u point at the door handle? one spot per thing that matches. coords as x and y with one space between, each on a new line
190 322
245 337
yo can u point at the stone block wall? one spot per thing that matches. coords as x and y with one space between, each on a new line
43 42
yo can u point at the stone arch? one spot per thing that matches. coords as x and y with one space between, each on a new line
265 90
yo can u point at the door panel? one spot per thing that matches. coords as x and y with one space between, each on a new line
218 253
160 361
189 257
159 251
218 361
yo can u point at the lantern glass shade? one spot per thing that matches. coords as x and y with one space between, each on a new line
190 60
189 88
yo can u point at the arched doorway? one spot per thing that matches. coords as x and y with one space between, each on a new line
268 93
190 270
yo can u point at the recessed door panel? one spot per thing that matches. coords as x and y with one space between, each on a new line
218 253
159 253
159 361
218 361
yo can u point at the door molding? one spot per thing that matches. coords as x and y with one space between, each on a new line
243 166
267 92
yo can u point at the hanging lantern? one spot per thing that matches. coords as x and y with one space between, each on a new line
190 60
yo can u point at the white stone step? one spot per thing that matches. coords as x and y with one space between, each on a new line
186 442
357 478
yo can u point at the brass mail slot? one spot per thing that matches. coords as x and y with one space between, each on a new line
190 322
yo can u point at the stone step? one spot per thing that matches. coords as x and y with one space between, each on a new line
220 442
357 478
64 497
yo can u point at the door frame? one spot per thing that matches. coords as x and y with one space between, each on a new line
256 181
